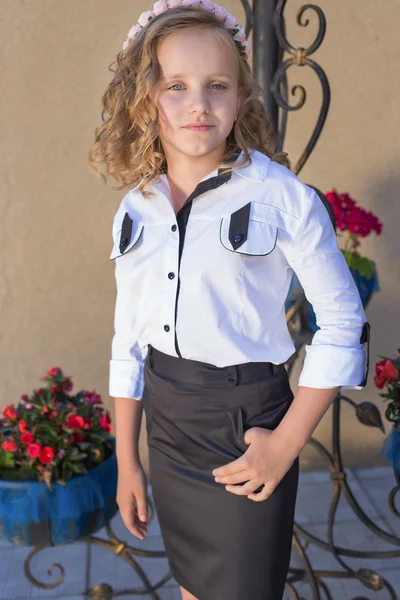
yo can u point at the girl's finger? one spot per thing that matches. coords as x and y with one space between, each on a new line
246 489
241 477
264 494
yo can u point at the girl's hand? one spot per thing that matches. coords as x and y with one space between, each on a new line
265 462
131 490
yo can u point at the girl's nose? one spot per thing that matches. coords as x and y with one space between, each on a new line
198 104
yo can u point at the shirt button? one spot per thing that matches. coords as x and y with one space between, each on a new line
173 228
166 327
124 241
238 237
171 275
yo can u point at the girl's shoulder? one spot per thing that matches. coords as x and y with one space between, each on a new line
280 188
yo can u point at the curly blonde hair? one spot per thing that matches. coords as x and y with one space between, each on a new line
127 141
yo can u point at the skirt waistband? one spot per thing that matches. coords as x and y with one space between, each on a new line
206 374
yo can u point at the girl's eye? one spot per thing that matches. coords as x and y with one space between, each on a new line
176 86
221 87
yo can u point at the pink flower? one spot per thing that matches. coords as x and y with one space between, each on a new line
240 36
208 5
230 22
33 450
145 18
220 13
159 7
134 30
173 3
125 45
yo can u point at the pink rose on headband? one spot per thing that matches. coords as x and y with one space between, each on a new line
145 18
230 22
208 5
220 13
159 7
173 3
241 35
133 31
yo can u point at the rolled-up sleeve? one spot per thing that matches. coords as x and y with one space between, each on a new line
126 373
339 352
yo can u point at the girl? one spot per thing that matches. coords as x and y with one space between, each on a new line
205 245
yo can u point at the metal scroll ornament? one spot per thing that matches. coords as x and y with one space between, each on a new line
273 56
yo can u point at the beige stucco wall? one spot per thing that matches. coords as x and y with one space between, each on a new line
56 279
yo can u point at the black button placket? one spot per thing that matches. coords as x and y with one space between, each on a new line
182 218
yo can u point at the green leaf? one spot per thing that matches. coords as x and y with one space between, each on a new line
84 445
47 427
365 267
22 474
79 469
7 460
79 456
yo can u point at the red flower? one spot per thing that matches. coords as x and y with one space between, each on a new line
53 372
105 422
46 409
67 385
27 438
77 437
87 424
33 450
10 412
75 422
385 371
24 397
22 426
9 446
46 455
92 397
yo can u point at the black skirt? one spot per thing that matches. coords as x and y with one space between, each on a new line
219 546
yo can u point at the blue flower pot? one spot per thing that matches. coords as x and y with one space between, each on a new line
32 515
365 287
391 449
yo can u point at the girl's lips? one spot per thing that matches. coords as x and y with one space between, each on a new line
198 127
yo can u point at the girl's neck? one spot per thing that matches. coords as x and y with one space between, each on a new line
185 172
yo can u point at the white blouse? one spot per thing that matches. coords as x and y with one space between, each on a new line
210 283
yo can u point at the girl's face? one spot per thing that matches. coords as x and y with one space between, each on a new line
198 85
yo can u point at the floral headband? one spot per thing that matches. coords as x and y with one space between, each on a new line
225 18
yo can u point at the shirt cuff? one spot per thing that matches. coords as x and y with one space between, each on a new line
328 366
126 379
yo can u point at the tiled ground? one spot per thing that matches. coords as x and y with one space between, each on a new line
88 566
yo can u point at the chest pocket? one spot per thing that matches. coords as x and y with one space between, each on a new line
248 231
127 237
